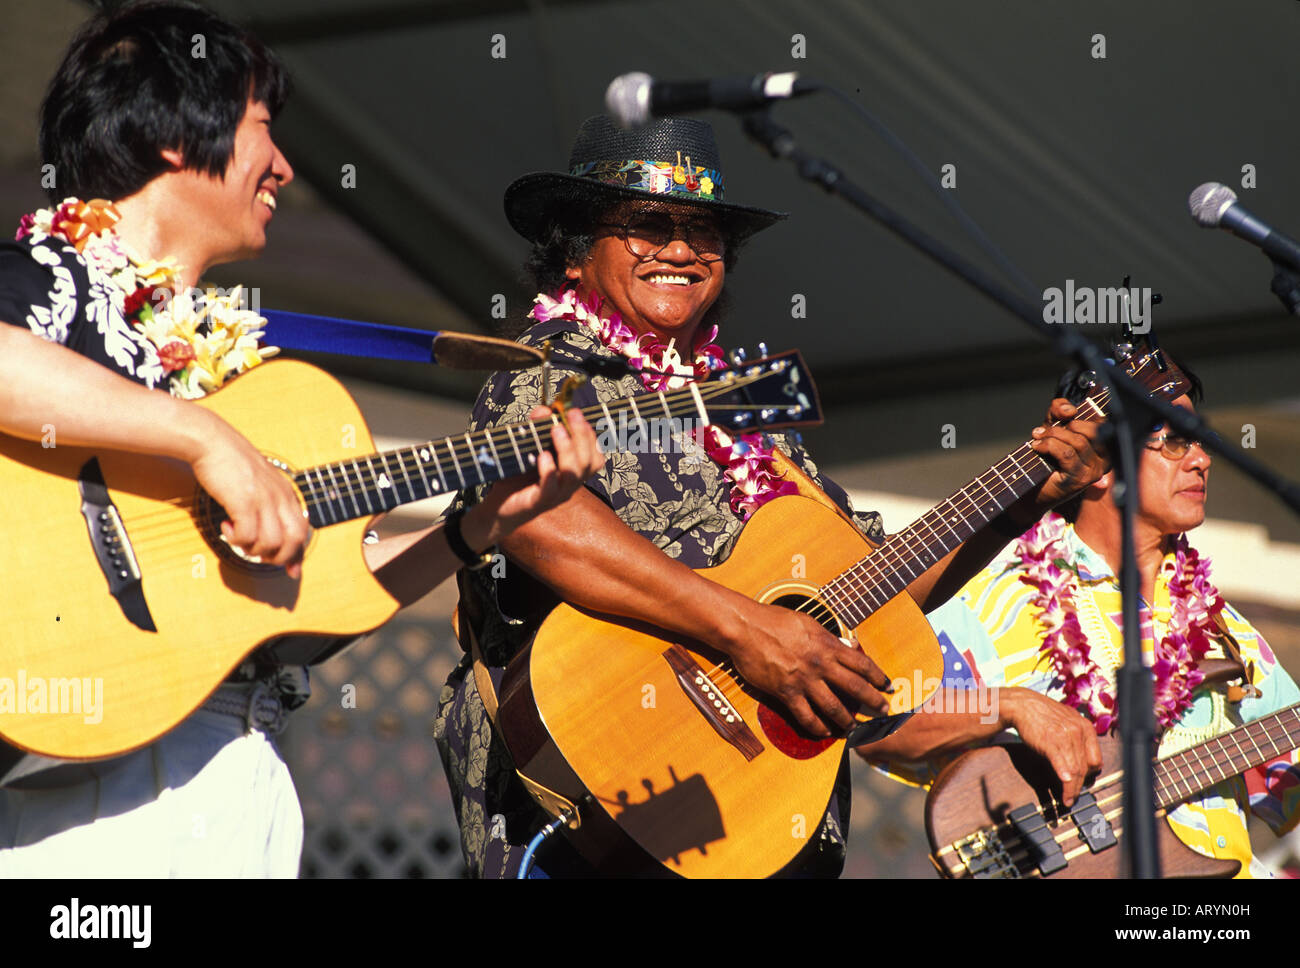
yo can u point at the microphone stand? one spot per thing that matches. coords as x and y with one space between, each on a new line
1137 717
1286 286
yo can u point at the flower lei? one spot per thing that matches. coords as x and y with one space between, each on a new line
747 460
1194 605
200 346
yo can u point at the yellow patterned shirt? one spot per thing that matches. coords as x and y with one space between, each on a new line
989 631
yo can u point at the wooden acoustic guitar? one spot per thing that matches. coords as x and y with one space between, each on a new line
994 812
124 607
677 765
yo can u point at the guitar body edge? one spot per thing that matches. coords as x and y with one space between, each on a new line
66 629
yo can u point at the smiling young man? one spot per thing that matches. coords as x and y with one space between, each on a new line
631 248
166 165
996 625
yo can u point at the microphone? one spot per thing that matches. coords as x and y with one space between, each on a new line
632 99
1215 206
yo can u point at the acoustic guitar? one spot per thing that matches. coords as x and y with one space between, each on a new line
671 762
125 608
994 812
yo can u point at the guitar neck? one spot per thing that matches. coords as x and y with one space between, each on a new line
904 556
374 483
1185 774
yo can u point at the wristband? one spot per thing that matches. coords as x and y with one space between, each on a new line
451 528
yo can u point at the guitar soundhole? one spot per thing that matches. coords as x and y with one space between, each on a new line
208 515
778 726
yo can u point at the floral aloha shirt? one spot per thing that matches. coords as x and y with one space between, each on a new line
677 499
46 286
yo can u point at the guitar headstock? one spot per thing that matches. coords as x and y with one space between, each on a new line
1138 354
1145 363
764 394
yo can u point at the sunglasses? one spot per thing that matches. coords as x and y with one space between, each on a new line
1171 446
648 233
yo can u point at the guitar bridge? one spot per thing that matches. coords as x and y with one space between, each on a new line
709 700
112 546
983 856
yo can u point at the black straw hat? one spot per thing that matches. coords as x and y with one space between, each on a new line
672 160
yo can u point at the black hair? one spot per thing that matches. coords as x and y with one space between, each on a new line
1196 393
144 78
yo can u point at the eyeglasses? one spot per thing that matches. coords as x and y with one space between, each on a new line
1171 446
648 233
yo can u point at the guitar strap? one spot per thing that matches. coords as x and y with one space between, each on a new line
1247 689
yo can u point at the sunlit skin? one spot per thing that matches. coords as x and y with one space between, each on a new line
226 217
627 284
1171 500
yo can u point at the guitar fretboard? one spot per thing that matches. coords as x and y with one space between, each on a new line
1185 774
374 483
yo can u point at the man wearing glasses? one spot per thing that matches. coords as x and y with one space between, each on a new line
631 248
997 625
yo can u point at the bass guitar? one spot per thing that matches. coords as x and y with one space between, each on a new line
993 812
125 608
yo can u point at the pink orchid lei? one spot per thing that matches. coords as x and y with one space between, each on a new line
747 460
1194 605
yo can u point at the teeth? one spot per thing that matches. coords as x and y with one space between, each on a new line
267 199
664 278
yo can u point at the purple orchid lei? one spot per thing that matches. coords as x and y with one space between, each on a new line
747 460
1194 607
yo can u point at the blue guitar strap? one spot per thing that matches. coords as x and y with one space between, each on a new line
348 337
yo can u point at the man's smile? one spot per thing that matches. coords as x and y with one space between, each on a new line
670 279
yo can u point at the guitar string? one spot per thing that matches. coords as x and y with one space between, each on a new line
869 574
905 539
408 460
677 404
869 564
865 567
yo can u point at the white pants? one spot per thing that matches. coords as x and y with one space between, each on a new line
209 799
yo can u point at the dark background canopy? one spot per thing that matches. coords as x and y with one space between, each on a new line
1078 166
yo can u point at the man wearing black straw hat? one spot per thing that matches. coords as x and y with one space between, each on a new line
631 247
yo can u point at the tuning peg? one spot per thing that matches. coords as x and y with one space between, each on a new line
1086 380
738 355
741 420
767 414
762 348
